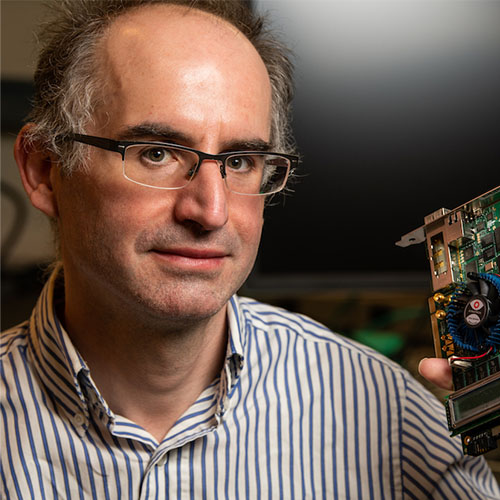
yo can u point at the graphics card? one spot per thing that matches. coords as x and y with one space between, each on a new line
463 248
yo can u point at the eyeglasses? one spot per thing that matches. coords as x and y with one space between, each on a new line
163 165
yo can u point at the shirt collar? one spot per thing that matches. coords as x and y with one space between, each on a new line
237 337
60 366
236 331
67 376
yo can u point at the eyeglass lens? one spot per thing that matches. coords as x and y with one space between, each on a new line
168 167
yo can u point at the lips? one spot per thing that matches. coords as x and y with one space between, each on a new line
193 253
191 258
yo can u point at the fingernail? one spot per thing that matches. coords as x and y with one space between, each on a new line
420 362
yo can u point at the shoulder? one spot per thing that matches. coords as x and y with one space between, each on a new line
277 321
13 340
14 358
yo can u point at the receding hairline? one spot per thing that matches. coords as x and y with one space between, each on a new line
182 11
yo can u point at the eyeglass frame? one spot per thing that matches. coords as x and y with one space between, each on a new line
121 147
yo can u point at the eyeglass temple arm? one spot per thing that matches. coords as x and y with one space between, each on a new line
100 142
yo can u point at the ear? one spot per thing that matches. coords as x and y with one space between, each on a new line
37 167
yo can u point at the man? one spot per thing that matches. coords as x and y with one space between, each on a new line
140 373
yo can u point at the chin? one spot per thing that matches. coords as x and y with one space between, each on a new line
181 306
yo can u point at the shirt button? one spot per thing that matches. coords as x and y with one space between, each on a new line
78 419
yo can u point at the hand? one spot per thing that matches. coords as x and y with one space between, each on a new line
437 371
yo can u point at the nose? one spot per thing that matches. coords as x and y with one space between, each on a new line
204 201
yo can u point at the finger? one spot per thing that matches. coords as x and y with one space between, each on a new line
436 371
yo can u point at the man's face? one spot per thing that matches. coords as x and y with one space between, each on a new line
181 77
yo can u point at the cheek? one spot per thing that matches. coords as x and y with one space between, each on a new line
249 219
125 215
103 214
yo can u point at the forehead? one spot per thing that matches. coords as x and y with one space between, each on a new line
163 58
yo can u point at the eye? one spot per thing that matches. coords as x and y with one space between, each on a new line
157 155
240 163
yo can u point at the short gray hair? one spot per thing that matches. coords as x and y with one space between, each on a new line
68 85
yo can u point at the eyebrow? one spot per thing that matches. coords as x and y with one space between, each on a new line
164 133
153 132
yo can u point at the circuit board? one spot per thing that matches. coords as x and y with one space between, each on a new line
463 249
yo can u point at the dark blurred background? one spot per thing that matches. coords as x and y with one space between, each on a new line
397 113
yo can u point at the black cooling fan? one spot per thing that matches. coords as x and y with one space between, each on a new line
473 315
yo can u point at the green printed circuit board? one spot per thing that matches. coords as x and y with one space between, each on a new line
463 248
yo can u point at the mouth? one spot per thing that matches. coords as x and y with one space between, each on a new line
191 258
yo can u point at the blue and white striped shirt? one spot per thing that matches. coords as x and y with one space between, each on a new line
297 412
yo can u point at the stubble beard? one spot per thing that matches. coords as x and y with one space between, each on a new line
170 298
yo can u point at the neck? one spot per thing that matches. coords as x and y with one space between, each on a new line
148 372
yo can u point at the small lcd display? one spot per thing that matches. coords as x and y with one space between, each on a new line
477 401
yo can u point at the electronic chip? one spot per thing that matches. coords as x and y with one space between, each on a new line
487 240
471 267
494 365
497 236
468 253
488 254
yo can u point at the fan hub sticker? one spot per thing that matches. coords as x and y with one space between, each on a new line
476 311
